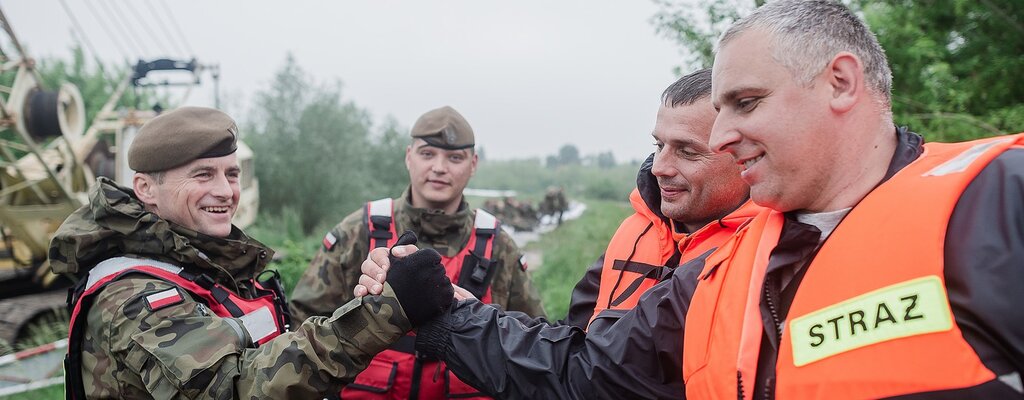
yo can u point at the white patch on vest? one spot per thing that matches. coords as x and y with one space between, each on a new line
259 323
163 299
380 208
964 160
484 220
1013 380
909 308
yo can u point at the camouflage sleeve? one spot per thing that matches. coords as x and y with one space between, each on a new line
512 287
183 351
334 270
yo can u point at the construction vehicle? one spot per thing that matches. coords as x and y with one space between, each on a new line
47 164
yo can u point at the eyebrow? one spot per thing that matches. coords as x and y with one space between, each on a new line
685 142
733 94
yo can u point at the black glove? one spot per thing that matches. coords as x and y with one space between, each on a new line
420 283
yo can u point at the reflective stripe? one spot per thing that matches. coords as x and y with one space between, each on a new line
115 265
381 208
484 220
259 323
1013 380
962 161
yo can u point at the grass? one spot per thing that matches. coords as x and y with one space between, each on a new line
570 249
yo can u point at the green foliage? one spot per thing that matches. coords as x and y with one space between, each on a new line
49 393
530 178
569 250
696 24
293 248
317 153
954 62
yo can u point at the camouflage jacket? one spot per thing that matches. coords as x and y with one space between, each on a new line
334 271
184 351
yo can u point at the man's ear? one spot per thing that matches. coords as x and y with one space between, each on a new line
845 77
145 188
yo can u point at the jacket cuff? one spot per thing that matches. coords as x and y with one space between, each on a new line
432 337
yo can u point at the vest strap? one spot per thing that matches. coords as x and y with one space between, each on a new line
379 216
477 270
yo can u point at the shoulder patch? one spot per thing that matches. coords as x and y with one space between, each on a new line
522 262
164 299
330 240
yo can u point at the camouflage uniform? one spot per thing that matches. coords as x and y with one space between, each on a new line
183 350
334 271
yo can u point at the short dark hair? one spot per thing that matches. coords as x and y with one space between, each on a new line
688 89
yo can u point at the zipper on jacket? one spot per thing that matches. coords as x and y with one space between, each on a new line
739 385
768 283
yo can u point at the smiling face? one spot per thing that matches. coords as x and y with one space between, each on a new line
779 131
697 186
438 176
201 195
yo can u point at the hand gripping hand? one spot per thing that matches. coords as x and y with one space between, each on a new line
419 282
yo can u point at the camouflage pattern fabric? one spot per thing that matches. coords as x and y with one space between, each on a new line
184 351
334 271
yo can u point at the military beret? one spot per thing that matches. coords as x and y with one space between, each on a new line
445 128
181 136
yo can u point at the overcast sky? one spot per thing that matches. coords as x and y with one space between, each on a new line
529 75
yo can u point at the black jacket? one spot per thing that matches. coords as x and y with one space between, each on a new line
640 354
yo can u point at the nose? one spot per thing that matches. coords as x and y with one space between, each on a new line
222 188
723 135
662 166
439 165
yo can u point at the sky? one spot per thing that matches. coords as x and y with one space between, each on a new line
530 76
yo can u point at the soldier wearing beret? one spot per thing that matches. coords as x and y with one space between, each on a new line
173 302
477 254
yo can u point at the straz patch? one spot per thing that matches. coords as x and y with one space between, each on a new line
163 299
910 308
330 240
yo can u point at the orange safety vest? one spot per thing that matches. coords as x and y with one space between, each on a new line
399 373
871 316
636 256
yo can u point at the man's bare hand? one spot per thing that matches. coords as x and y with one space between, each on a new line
375 269
462 294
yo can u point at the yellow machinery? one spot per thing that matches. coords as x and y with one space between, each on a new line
47 164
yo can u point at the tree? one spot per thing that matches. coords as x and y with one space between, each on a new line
317 154
954 62
606 160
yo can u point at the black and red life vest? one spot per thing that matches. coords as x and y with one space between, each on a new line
399 373
263 318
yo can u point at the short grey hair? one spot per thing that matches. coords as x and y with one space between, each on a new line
688 89
807 34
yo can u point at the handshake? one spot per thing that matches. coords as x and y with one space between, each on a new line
417 277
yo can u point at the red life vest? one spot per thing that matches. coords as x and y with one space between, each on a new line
398 373
871 317
638 253
264 317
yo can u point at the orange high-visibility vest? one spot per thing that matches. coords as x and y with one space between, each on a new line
635 258
870 318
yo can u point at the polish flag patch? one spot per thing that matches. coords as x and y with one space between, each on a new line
163 299
329 241
522 262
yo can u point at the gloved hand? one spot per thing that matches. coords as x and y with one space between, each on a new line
420 283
